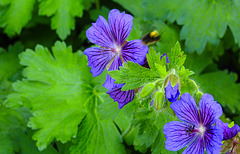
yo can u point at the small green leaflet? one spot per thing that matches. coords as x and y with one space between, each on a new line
176 57
133 75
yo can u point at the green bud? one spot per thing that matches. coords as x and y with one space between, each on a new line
173 78
148 89
158 100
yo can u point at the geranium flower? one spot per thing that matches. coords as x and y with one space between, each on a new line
228 133
231 138
196 130
114 50
172 93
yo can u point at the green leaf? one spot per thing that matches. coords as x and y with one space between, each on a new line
10 69
9 62
62 95
87 4
11 121
133 75
63 13
222 86
161 69
176 57
94 14
108 109
153 58
15 15
150 133
187 85
97 137
134 7
122 117
15 137
203 21
198 62
136 32
57 88
169 35
184 73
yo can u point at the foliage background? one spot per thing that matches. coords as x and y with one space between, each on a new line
49 100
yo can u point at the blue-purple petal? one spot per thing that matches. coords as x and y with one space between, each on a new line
228 133
196 147
98 59
122 97
109 83
167 60
134 51
209 110
213 139
172 93
176 135
120 25
99 33
186 109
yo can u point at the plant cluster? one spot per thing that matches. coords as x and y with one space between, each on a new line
111 92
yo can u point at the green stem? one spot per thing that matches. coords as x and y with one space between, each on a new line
158 80
197 86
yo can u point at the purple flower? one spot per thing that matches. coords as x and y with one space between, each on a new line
114 50
228 133
196 130
122 97
167 60
172 93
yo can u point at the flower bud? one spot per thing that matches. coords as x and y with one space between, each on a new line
172 93
147 89
159 100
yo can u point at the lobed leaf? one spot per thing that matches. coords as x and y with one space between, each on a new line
15 14
56 90
133 75
63 13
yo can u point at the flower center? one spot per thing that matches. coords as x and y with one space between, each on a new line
118 50
202 129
